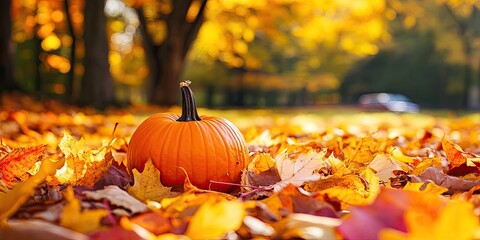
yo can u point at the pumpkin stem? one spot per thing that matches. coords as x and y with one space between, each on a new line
189 108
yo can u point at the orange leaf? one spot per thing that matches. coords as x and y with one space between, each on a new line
454 153
15 165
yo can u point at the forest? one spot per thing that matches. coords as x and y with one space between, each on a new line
242 53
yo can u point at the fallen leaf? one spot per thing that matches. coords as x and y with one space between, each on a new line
215 219
261 171
38 230
365 222
117 197
456 220
147 185
350 189
156 222
15 165
437 176
83 166
305 226
456 156
81 221
383 165
425 187
360 151
116 233
13 199
300 170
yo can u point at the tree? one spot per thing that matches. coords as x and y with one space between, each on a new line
461 18
6 47
169 29
289 46
97 84
467 21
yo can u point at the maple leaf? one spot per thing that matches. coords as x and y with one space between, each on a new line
82 167
261 171
117 197
15 165
147 184
437 176
215 219
454 220
81 221
351 189
300 170
13 199
384 165
365 222
425 187
457 157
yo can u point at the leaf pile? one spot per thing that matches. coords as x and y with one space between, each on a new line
346 176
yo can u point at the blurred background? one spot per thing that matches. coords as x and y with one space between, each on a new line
242 53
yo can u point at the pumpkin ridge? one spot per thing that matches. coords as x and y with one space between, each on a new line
140 139
223 148
203 174
239 144
166 172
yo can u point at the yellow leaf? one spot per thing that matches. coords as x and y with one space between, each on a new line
13 199
77 220
215 219
398 155
456 220
261 163
83 166
350 189
430 187
147 185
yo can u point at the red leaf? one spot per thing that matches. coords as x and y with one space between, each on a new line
15 165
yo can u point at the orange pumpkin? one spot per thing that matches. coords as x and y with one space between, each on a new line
208 148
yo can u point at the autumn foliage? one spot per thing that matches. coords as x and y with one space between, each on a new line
320 175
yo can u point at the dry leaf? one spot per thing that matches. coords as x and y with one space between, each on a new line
83 166
81 221
261 171
351 189
300 170
15 165
425 187
215 219
13 199
383 165
117 197
455 220
38 230
388 211
147 185
437 176
305 226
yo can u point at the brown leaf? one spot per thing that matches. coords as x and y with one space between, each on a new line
437 176
117 197
39 230
14 167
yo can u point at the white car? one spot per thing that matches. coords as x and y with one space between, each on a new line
387 102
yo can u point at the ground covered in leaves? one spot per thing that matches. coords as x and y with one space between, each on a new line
313 175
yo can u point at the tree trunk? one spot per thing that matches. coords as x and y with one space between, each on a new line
6 46
71 72
167 59
97 84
